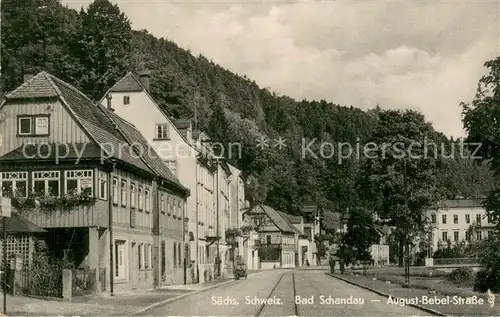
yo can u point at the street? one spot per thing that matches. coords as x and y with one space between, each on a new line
273 293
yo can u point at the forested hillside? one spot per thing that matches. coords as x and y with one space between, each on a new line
93 48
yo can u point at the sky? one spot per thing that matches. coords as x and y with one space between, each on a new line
422 55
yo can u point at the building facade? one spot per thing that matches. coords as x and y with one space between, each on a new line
92 189
457 221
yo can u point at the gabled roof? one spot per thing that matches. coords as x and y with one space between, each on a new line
460 203
128 83
279 221
115 137
61 151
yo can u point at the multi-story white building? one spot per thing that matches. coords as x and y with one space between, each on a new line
184 151
456 220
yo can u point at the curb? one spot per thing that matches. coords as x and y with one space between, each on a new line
173 299
428 310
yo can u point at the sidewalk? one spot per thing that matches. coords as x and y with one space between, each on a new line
396 290
120 304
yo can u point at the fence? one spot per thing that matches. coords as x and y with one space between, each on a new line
45 283
455 261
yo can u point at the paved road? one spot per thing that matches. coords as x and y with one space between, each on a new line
240 298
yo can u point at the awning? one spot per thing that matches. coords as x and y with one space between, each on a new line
19 224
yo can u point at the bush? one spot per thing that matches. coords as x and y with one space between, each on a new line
485 280
461 275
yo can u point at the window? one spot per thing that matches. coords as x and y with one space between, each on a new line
455 219
478 219
46 183
42 125
141 256
126 100
162 131
175 254
170 206
163 260
120 263
179 256
37 125
103 186
147 257
268 239
132 195
443 219
444 236
455 236
148 200
467 218
124 193
115 190
172 166
433 218
14 183
141 200
25 126
162 204
479 235
79 181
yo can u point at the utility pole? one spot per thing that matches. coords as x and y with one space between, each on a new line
5 211
218 216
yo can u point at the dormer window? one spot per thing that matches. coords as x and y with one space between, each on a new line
36 125
162 131
126 100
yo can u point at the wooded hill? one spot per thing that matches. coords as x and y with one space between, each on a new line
93 48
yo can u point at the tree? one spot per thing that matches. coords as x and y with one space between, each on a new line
361 235
103 47
399 177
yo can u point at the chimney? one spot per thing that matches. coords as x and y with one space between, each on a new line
108 99
144 77
27 76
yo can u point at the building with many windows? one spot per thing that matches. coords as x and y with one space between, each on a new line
458 220
91 180
186 152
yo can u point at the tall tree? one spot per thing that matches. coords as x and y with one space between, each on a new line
399 179
103 47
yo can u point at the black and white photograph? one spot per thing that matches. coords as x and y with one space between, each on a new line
250 158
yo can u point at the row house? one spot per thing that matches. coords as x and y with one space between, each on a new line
93 182
187 153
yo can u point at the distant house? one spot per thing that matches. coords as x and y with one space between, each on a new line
304 243
278 237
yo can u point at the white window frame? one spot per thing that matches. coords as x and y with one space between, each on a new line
147 198
120 274
14 177
37 122
133 190
165 131
103 190
79 176
123 189
19 119
115 190
141 198
39 176
162 203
